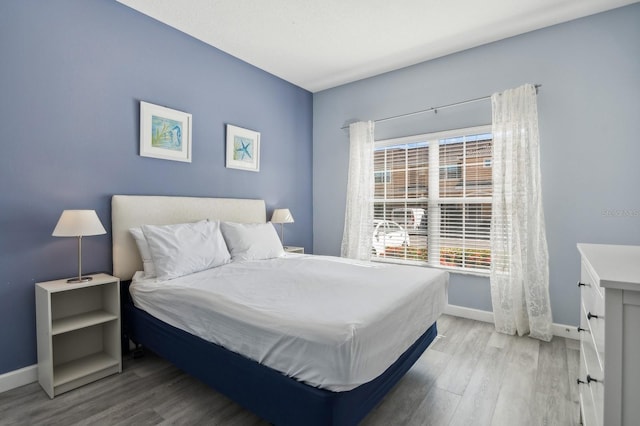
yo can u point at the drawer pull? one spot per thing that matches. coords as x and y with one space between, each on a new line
581 329
591 379
590 315
581 284
580 382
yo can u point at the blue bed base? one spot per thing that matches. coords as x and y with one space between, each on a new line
269 394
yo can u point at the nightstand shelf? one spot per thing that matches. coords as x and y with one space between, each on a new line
78 328
76 322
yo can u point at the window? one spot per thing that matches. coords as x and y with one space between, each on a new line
433 204
382 177
452 171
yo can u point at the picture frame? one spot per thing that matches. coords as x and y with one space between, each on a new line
243 149
165 133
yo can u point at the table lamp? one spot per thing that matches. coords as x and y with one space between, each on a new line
282 216
78 223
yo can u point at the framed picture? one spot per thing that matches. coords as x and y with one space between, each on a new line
164 133
243 149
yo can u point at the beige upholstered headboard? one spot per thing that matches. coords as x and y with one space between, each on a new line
128 211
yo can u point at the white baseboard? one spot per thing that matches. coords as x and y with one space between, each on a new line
560 330
16 378
469 313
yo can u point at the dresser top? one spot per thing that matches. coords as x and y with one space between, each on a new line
615 266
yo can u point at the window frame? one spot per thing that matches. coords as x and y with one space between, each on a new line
435 202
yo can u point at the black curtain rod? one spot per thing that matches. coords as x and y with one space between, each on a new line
435 109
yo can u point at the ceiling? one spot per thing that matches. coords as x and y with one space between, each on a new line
319 44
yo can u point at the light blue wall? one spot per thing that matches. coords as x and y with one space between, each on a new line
72 74
589 113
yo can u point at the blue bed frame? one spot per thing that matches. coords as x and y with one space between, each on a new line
266 392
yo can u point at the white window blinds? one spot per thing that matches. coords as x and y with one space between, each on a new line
432 199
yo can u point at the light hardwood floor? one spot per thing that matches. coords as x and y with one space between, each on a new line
470 375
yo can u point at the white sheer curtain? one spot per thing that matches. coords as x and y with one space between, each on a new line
520 260
358 228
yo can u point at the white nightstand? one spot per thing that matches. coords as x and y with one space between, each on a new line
294 249
78 327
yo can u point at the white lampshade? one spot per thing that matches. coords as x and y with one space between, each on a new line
282 216
78 223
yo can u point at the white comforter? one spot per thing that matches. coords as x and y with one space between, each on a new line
330 322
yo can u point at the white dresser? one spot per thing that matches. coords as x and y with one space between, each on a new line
609 323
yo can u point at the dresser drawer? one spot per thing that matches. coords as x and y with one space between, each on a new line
593 305
587 276
587 405
592 318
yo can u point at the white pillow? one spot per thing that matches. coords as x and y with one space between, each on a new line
185 248
254 241
145 253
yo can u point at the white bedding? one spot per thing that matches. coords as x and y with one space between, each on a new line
330 322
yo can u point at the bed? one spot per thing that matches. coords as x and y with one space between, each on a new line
282 392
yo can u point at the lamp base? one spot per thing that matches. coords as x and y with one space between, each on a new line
79 280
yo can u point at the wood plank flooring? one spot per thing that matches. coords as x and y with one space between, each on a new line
470 375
